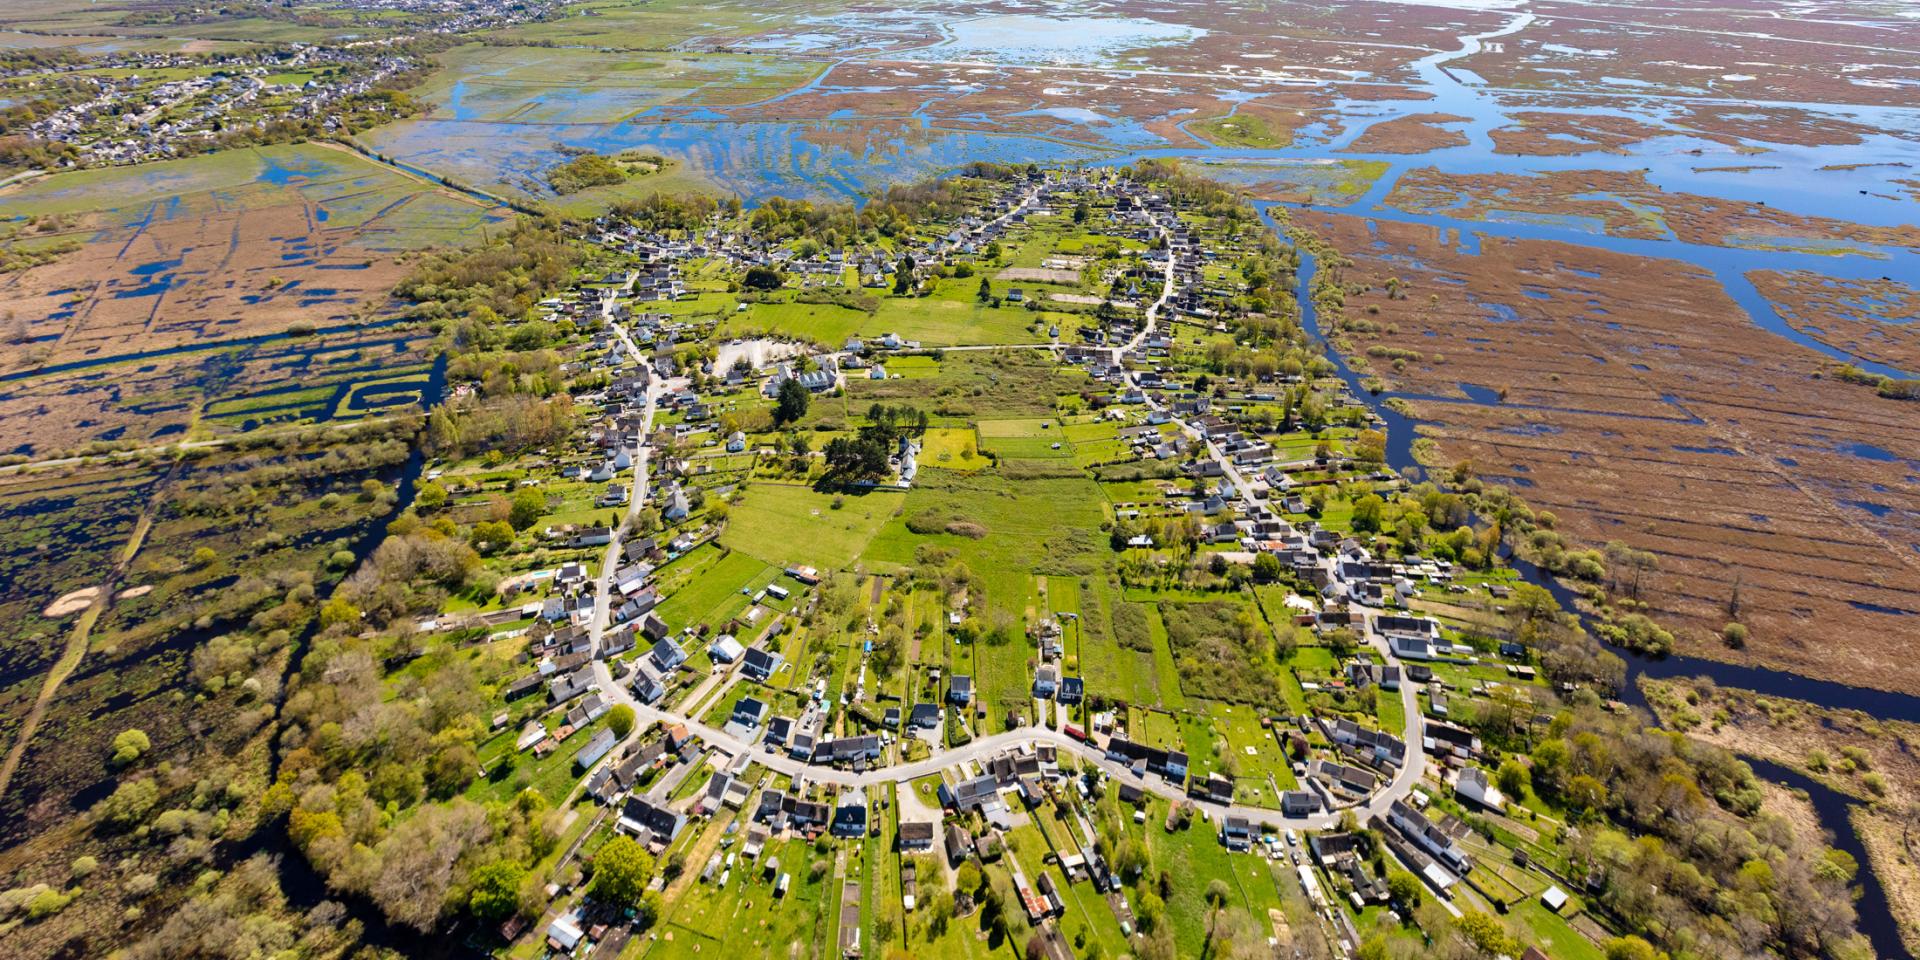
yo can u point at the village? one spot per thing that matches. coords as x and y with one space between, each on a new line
839 717
135 106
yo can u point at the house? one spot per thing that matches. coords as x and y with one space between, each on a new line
1385 675
759 665
960 689
977 794
1439 840
916 836
924 716
677 506
652 823
1380 745
648 686
848 750
959 843
1072 690
1237 833
524 686
748 712
667 655
595 749
1046 682
567 686
850 814
1341 778
589 710
725 649
1171 764
736 442
1299 803
1218 787
1443 738
1472 784
653 628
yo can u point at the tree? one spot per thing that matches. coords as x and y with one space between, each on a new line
1486 934
620 720
528 507
489 536
496 891
1367 511
1514 780
791 403
967 879
129 745
1404 888
430 497
338 610
1632 948
452 768
985 292
1266 568
762 278
1735 634
620 872
130 803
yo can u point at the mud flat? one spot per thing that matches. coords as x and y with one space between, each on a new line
1622 203
1771 496
1537 133
1415 133
1875 320
1851 57
216 248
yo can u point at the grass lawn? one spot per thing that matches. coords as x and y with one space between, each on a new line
714 595
951 448
1553 935
744 918
1163 666
553 776
1241 130
784 524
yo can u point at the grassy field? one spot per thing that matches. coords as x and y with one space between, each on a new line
1025 439
744 918
951 448
948 317
1241 130
714 596
785 524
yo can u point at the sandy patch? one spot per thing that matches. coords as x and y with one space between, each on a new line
132 592
72 603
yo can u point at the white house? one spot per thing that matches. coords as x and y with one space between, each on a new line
1473 784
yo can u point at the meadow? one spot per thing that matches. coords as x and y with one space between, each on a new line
787 524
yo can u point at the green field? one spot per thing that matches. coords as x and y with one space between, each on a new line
948 317
786 524
714 594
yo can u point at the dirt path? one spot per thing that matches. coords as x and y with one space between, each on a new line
77 640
